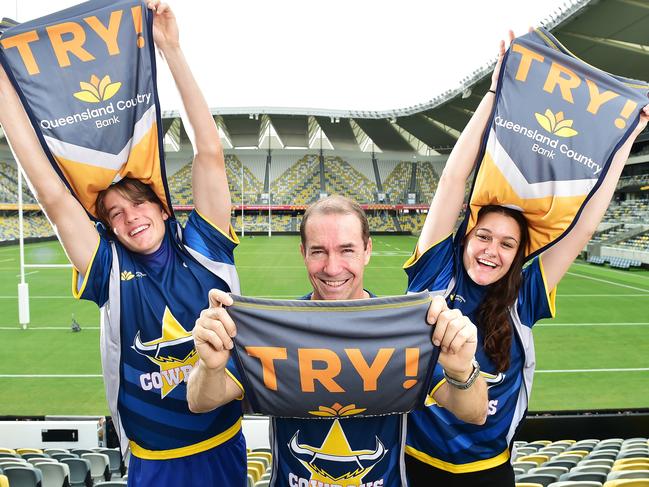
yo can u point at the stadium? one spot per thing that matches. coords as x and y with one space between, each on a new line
589 413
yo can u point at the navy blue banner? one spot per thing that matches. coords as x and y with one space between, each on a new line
86 76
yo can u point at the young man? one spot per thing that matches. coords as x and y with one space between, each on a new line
151 278
336 247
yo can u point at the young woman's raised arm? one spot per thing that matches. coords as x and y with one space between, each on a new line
558 258
449 196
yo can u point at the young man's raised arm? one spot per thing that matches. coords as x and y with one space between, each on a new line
73 226
209 179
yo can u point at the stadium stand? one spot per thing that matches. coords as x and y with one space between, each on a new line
571 463
36 225
252 186
342 178
299 184
9 185
638 242
396 184
427 180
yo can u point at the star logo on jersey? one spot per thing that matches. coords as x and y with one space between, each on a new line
173 352
334 460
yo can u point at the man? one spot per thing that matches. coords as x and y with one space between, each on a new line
336 247
151 278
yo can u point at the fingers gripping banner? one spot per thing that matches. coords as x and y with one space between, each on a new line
315 359
556 126
86 76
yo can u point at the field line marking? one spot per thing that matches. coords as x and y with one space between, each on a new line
8 296
577 371
28 273
36 328
617 271
603 295
544 325
50 376
7 260
608 282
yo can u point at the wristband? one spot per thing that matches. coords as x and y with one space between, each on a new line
469 382
492 91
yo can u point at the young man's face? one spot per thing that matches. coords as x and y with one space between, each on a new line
335 256
138 226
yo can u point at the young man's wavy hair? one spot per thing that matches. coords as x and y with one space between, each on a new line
133 190
493 312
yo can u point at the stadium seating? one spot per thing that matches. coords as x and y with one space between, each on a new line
396 184
252 186
427 181
342 178
25 476
54 474
299 184
79 471
99 466
4 481
587 462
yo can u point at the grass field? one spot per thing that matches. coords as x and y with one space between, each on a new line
593 355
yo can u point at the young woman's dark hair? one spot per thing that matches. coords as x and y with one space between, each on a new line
493 313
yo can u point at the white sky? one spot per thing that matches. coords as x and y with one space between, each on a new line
338 54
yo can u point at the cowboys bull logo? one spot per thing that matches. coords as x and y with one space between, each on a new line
334 463
173 352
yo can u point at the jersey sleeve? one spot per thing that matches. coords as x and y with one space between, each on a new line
535 300
207 239
232 370
431 270
93 286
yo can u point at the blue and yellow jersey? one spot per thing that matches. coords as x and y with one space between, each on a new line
150 305
437 437
341 451
348 452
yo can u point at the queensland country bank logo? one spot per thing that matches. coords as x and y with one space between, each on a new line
335 462
173 354
556 124
97 90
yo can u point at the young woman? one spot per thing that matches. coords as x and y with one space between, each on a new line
152 279
489 285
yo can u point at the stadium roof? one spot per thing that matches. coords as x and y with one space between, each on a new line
609 34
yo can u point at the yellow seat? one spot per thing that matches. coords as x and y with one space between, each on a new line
264 456
527 484
7 450
623 461
4 481
627 483
630 466
20 451
538 459
256 469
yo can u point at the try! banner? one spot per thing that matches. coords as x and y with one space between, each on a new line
556 125
334 359
86 76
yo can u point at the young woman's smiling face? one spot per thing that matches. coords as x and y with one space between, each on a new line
491 247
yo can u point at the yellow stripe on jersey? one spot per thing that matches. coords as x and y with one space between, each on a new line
185 451
231 235
76 290
550 293
459 468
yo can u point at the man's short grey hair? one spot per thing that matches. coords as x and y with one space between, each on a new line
336 205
